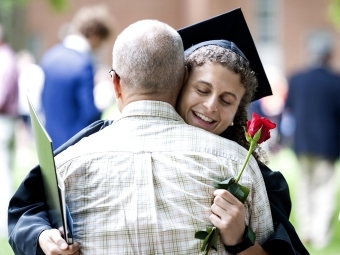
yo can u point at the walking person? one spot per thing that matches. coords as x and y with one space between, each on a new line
313 100
67 96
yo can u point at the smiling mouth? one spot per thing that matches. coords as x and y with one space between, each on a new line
204 118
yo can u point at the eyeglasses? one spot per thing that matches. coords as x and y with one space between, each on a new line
113 70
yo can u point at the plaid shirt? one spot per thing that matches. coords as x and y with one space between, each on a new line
144 185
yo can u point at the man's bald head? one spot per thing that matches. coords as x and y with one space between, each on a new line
149 55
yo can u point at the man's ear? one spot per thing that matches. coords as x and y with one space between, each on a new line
186 75
116 86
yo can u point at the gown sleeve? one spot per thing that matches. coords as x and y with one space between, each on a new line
284 240
27 212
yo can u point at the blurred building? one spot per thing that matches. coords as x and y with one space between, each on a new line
279 27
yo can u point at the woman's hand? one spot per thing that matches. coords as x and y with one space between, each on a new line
52 243
228 216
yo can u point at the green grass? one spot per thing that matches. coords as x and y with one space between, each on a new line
5 249
284 161
25 158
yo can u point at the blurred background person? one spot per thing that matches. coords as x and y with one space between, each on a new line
314 102
31 80
8 114
67 97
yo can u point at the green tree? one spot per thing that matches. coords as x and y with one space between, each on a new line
56 5
334 12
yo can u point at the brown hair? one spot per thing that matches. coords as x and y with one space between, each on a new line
241 66
92 20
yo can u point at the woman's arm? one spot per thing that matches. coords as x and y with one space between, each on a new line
228 217
256 249
27 212
284 235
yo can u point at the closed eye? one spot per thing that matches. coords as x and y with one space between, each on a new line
225 102
202 92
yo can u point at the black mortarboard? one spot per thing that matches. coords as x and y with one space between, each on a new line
229 26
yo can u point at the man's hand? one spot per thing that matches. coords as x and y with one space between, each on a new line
228 216
52 243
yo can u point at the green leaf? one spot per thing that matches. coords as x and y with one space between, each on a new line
210 242
201 234
210 239
251 235
248 137
207 239
214 241
239 191
226 183
257 135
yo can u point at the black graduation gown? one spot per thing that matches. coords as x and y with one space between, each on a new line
28 216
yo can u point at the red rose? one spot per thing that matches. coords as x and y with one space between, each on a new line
256 123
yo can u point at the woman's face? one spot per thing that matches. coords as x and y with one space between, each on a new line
210 97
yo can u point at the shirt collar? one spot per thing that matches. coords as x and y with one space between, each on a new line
77 43
150 108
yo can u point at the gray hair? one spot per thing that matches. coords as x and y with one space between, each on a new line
319 46
149 55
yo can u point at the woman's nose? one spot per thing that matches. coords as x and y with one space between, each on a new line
211 104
